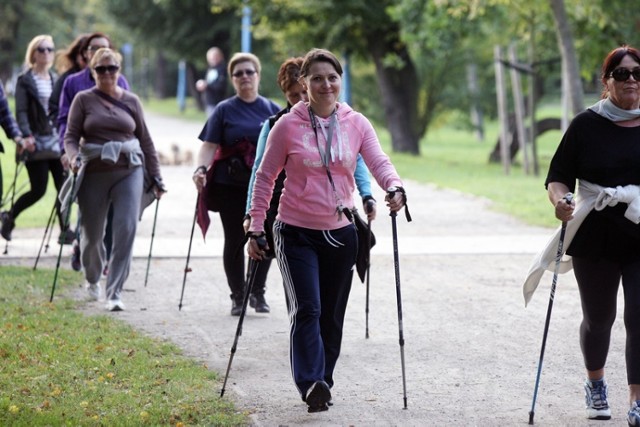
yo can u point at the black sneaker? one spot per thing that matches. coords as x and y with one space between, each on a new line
236 306
318 397
7 225
258 302
76 264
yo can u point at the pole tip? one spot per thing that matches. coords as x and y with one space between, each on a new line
531 415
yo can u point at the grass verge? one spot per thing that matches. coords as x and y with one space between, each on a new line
59 367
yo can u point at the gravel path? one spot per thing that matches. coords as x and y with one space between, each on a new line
471 347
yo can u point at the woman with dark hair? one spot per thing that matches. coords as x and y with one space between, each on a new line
68 61
600 151
315 239
33 90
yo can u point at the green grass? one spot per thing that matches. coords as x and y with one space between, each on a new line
59 367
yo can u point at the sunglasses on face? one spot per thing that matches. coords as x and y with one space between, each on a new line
622 74
111 69
44 49
241 73
96 47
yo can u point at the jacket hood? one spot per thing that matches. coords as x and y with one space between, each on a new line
301 109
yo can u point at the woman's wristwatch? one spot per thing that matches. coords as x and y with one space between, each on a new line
201 168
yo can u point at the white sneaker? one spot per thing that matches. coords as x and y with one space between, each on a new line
633 416
115 305
94 291
596 400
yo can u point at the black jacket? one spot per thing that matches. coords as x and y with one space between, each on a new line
30 114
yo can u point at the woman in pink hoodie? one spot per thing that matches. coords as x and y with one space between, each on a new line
317 144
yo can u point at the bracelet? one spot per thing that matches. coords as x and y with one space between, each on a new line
255 234
368 197
201 168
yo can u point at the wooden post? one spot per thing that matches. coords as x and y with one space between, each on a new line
505 139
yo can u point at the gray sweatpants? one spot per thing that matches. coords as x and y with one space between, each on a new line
123 189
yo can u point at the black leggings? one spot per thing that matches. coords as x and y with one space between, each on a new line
38 171
598 281
232 211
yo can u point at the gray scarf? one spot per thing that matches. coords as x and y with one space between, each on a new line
607 109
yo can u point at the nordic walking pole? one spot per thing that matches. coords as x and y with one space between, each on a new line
186 267
44 237
153 233
396 263
567 198
13 195
66 225
366 307
253 268
368 209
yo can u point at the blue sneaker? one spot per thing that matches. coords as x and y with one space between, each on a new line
596 400
633 416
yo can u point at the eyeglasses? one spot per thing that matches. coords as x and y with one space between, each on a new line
93 48
111 69
622 74
241 73
44 49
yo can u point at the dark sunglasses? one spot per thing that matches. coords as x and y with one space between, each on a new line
94 48
44 49
111 69
241 73
622 74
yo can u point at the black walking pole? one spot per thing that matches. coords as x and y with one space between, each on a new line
366 307
368 209
568 198
186 267
44 237
253 268
13 195
153 234
66 225
396 263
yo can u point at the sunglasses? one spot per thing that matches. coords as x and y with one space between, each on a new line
44 49
93 48
622 74
241 73
111 69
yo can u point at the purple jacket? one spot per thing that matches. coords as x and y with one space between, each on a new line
7 121
72 85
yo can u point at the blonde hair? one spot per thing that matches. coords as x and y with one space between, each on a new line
105 52
29 57
239 57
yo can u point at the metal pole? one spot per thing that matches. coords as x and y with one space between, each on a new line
153 234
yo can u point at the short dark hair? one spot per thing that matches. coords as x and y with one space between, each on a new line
319 55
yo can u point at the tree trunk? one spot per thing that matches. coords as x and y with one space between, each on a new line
398 88
541 127
12 12
570 64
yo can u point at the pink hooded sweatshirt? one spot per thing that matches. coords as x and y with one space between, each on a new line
308 199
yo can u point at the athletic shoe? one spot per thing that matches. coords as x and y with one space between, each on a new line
596 400
318 397
236 305
633 417
258 302
94 291
115 305
76 264
7 225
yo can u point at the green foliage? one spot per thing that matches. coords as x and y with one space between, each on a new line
62 368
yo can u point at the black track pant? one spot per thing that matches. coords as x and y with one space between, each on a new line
598 281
